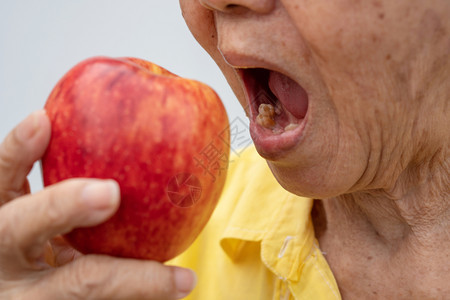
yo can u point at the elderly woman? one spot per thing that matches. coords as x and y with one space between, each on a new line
348 104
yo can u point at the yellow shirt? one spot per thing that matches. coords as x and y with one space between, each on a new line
259 243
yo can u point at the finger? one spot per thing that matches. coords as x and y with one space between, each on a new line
27 223
103 277
21 148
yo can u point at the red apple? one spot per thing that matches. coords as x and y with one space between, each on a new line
163 138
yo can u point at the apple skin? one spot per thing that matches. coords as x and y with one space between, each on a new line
139 124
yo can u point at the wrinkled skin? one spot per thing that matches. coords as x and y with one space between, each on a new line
375 145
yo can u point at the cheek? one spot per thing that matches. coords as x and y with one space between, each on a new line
350 35
200 22
349 45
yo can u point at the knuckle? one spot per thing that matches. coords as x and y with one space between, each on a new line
6 157
53 209
85 280
8 152
11 184
8 239
8 194
97 277
162 281
61 206
152 281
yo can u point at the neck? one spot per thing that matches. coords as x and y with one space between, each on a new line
414 208
385 236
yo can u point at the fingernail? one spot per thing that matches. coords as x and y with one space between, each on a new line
102 194
185 281
28 128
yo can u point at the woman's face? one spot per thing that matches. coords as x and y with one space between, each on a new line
341 95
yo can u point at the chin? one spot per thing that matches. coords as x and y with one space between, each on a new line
306 182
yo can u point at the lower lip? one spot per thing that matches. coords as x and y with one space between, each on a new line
273 145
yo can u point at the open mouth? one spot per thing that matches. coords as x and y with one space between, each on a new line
278 108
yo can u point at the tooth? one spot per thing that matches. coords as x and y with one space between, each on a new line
266 109
265 116
265 121
290 127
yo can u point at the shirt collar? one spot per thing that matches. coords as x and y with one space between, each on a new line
279 220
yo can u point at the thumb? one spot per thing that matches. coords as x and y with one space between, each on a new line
104 277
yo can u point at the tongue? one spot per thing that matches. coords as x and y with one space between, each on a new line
289 93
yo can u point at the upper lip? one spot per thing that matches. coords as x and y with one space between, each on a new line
245 67
240 63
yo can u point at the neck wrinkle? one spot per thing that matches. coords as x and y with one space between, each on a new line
415 211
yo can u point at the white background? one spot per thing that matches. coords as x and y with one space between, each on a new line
40 40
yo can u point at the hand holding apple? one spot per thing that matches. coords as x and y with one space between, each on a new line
28 221
163 138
